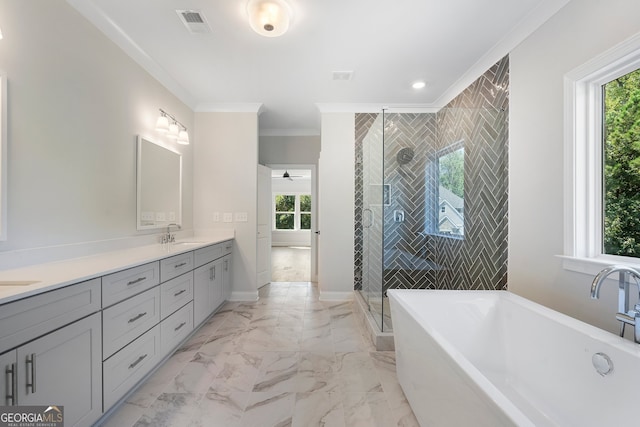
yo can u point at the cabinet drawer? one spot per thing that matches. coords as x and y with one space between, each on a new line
29 318
208 254
176 327
176 265
175 293
123 322
228 247
124 284
128 366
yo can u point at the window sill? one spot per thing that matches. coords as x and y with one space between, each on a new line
592 266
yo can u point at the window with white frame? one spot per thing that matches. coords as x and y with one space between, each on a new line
602 158
292 211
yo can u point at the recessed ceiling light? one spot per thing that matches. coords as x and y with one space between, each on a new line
418 85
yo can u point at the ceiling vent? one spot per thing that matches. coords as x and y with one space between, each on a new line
342 75
195 21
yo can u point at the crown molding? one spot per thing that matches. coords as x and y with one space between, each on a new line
230 107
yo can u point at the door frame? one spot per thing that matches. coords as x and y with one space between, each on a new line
314 210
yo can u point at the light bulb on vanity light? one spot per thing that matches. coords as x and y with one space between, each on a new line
183 137
174 131
162 124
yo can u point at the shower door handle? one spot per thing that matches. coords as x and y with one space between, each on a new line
367 214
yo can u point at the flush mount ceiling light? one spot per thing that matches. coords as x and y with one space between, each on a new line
418 85
173 129
269 18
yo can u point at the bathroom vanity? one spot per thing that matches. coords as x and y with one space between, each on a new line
83 333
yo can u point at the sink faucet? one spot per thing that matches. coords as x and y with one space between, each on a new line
624 315
170 238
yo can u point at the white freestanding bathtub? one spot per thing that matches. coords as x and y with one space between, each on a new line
492 358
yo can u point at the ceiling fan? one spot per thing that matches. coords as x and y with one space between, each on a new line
286 175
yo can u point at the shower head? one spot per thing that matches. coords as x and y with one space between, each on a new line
405 156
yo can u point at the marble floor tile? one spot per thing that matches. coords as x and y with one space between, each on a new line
171 409
318 409
286 360
367 410
356 373
221 409
269 409
278 372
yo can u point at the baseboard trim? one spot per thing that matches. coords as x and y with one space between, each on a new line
244 296
336 296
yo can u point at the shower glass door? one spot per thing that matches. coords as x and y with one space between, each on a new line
374 198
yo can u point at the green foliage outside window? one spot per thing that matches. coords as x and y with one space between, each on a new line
452 171
286 212
622 166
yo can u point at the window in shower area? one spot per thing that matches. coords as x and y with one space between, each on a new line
450 173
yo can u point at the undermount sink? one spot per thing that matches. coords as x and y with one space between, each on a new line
17 282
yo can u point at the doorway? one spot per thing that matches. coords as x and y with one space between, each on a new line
293 238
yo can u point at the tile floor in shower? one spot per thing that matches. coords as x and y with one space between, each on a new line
285 360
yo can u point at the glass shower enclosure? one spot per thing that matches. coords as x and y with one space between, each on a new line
431 202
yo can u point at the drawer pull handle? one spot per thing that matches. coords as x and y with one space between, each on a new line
12 389
138 280
140 359
182 264
179 292
31 360
180 326
133 319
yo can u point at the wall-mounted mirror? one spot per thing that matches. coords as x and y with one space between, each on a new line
3 155
159 185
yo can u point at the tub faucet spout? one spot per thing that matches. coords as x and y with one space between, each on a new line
624 314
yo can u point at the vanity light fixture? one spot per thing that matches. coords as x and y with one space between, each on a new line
269 18
170 126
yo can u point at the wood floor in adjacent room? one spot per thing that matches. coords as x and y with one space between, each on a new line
290 264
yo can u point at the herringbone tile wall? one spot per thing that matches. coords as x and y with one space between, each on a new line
414 259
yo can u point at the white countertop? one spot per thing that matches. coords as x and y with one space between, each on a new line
55 275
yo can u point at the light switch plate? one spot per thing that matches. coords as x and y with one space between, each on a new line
227 217
241 217
172 216
160 216
216 217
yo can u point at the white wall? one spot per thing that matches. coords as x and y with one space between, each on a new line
336 181
226 180
76 103
580 31
289 150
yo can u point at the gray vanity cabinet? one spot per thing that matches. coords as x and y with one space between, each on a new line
207 291
62 368
227 279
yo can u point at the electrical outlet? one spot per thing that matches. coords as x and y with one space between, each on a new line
172 216
147 216
160 216
241 217
227 217
216 217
